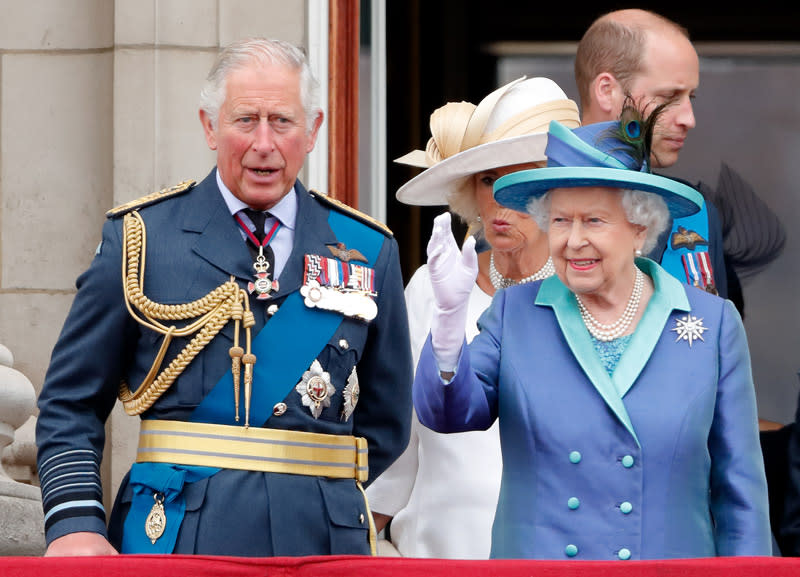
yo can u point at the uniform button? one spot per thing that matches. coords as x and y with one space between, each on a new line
279 409
626 507
575 457
571 550
573 503
624 554
361 518
272 309
344 344
627 461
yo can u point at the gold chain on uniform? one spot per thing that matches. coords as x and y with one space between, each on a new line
214 310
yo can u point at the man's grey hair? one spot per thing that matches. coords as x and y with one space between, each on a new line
261 51
643 208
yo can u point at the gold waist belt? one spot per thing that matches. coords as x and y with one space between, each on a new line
253 449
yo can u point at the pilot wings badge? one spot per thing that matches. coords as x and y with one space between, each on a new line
688 238
344 254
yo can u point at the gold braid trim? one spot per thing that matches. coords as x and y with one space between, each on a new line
214 310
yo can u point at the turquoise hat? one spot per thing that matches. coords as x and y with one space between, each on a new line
595 155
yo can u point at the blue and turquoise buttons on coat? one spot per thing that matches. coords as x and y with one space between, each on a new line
625 507
575 457
571 550
573 503
627 461
624 554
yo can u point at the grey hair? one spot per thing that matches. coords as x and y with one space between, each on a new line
643 208
262 51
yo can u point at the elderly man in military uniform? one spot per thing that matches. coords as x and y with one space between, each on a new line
260 331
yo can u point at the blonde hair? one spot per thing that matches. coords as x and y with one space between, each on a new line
463 203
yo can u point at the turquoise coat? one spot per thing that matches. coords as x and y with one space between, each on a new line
660 460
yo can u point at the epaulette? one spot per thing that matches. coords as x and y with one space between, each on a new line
151 198
360 216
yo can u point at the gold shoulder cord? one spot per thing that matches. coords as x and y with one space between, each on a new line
214 310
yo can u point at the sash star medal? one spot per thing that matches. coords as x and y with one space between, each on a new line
316 389
263 286
350 393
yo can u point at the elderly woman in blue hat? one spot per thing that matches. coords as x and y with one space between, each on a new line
625 399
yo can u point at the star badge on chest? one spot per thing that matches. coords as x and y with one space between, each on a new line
315 389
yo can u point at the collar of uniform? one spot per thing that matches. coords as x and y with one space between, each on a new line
285 211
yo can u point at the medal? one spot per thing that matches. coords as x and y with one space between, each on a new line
697 266
156 521
705 270
350 393
338 286
316 389
263 286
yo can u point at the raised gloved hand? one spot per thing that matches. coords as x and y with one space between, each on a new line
453 275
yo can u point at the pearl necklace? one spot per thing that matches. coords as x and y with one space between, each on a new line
499 281
615 330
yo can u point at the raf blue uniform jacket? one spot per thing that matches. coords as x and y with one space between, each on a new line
660 460
193 246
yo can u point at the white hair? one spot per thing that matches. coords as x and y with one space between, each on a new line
643 208
261 51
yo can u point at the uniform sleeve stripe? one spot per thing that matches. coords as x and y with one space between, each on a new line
74 504
76 509
61 479
90 455
75 492
70 485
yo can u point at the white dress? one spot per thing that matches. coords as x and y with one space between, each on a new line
442 491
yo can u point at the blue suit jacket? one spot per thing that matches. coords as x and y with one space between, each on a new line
193 246
660 460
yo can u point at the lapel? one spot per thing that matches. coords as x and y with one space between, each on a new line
218 239
668 295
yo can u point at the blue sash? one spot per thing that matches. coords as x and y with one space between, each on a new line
696 226
287 344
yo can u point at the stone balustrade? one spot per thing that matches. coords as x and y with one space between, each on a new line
21 522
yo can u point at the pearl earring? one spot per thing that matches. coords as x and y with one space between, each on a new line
637 252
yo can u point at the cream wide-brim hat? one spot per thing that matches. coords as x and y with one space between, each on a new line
507 128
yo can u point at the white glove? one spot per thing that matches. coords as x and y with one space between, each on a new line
453 275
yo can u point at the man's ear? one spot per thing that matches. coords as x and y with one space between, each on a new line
208 129
314 130
607 94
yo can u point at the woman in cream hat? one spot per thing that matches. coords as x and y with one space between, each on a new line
442 492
